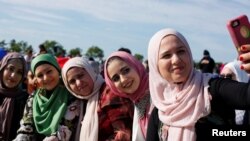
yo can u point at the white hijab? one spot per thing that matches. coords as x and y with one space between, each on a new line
89 129
241 75
179 105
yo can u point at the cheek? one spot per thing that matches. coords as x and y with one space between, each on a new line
5 75
72 87
19 78
137 78
39 81
117 85
163 67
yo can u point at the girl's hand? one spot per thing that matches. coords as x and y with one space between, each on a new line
245 57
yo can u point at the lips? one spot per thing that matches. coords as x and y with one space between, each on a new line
12 81
128 85
178 69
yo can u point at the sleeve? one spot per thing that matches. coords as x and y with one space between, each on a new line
153 124
26 130
235 94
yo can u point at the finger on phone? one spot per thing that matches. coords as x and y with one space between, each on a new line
246 67
245 48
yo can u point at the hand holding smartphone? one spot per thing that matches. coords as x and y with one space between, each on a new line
239 29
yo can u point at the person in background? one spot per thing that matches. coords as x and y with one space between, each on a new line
232 71
184 109
125 49
107 117
94 64
145 64
127 77
207 63
28 58
3 52
42 49
49 113
12 97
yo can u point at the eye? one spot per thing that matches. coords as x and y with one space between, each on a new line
166 56
10 69
49 72
115 78
80 76
125 71
72 81
40 76
20 72
181 51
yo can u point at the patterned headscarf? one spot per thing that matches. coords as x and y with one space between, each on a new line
179 105
89 129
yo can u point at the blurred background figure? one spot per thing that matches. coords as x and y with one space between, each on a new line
207 63
3 52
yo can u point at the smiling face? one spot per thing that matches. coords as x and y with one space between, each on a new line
124 77
47 76
80 82
174 60
13 73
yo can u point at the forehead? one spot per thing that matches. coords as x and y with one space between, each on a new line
15 62
226 70
116 63
75 71
170 40
43 67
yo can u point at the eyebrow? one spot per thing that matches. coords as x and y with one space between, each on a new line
120 70
45 69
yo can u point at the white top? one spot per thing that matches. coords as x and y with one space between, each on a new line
137 133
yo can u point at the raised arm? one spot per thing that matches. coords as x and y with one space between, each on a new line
235 94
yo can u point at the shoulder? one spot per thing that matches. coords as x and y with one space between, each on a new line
108 98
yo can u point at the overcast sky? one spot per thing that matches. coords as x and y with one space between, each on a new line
111 24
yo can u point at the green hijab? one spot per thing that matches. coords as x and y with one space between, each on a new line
48 111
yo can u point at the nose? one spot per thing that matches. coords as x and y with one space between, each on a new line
13 74
45 79
175 59
78 82
122 78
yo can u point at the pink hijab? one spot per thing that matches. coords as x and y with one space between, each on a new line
179 105
132 61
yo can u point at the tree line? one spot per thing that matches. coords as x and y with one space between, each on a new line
57 49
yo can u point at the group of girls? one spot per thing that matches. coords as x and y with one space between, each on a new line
171 102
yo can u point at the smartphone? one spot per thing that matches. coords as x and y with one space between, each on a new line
239 29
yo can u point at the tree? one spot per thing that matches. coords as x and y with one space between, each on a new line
20 46
14 46
53 47
95 52
75 52
3 44
138 57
